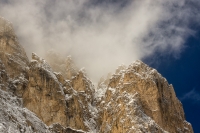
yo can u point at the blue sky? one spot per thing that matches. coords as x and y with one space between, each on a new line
102 34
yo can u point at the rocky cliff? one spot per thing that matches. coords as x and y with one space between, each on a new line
53 96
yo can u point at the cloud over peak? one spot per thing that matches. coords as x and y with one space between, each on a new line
100 35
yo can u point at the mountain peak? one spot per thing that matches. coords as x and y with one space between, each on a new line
53 96
6 28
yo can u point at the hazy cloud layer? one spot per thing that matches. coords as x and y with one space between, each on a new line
100 35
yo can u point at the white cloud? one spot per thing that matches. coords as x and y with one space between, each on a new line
191 95
100 36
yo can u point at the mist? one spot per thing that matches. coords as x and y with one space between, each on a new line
101 35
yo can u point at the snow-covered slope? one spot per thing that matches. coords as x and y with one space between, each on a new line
35 97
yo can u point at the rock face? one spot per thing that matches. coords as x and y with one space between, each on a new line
12 54
44 94
141 97
14 118
56 97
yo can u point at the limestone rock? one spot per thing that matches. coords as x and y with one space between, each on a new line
12 54
14 118
44 94
42 90
81 112
56 100
56 97
141 97
57 128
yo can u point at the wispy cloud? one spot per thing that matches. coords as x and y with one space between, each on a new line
191 95
100 35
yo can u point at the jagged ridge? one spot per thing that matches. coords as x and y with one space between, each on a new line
134 99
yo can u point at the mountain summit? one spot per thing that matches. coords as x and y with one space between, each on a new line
38 98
